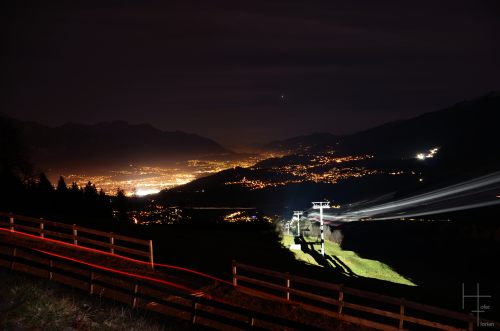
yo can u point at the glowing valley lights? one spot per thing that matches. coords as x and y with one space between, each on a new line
133 180
140 192
144 180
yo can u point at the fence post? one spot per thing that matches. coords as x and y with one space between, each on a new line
75 235
51 265
14 252
41 229
151 254
288 286
235 280
401 313
11 222
193 311
112 242
91 281
134 295
472 319
251 321
341 300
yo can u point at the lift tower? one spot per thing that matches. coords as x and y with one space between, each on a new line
321 206
296 216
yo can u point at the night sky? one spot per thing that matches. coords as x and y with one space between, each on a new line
246 71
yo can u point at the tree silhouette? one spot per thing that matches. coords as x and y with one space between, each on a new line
75 190
90 190
13 157
44 186
62 188
15 169
121 205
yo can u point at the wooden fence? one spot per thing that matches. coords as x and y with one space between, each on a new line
349 304
79 236
141 293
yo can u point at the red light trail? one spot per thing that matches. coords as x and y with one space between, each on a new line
167 266
157 280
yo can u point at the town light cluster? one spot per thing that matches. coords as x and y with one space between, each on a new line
428 155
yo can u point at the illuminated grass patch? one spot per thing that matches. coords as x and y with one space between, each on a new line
28 303
346 262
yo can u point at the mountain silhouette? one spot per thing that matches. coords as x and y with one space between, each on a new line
109 143
468 128
311 142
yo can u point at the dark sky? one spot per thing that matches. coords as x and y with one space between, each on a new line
246 71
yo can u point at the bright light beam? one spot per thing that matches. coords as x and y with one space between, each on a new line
474 193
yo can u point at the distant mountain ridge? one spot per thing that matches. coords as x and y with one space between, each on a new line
110 142
304 142
472 124
469 127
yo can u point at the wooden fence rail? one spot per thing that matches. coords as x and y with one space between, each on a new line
349 304
142 293
78 236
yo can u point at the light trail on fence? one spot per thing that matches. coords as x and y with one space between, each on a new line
144 263
120 272
474 193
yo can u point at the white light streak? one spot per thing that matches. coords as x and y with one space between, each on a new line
474 193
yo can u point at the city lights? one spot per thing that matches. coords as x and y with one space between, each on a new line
144 180
315 168
144 191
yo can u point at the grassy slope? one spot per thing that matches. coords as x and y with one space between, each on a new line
439 256
347 262
27 303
